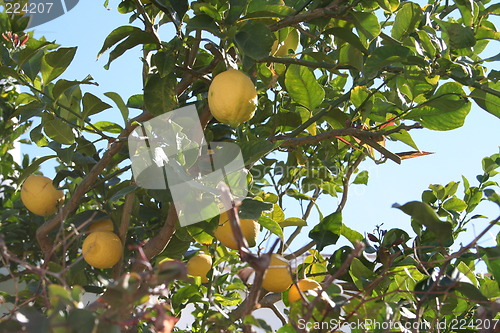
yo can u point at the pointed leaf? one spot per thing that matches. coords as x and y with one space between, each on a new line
159 94
55 63
92 105
303 87
407 19
327 232
119 103
58 130
255 40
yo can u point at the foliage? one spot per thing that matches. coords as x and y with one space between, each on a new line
366 72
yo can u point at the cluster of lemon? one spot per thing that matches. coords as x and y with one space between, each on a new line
101 248
277 277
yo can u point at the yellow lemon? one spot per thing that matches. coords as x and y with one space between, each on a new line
102 225
199 265
291 42
102 249
224 232
40 196
277 277
232 97
303 285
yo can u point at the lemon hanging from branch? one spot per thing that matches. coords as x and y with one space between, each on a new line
232 97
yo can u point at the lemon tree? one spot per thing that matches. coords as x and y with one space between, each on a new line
316 95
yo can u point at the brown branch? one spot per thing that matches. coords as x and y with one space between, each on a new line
158 243
345 181
123 229
300 251
301 62
333 10
367 137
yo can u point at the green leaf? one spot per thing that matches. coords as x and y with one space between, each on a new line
252 209
122 193
93 105
492 196
107 126
366 24
203 22
303 87
348 36
352 235
136 101
361 178
291 192
472 293
405 137
199 234
34 166
361 275
446 110
327 232
276 214
389 5
131 36
407 19
236 8
57 130
55 63
384 56
255 40
293 222
424 215
493 261
455 204
487 101
62 85
159 94
254 150
271 225
459 36
81 321
120 104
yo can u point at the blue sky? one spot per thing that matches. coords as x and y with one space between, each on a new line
456 153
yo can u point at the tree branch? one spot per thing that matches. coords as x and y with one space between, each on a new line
123 229
333 10
159 242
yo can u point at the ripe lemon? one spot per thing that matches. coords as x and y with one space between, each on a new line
102 249
291 42
232 97
102 225
224 232
40 196
277 277
303 285
199 265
